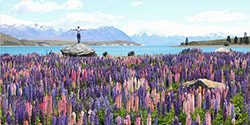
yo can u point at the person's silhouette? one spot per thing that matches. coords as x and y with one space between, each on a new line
78 36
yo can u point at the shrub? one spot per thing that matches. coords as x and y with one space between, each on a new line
226 43
131 53
105 54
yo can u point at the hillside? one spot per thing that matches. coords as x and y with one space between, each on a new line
212 42
7 40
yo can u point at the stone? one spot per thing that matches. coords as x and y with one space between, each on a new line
78 50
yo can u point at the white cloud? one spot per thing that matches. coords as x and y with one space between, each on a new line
9 20
218 16
85 20
137 3
94 19
131 27
44 6
168 28
204 23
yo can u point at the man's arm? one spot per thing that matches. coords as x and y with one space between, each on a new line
73 29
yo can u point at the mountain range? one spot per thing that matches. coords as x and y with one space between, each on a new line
101 34
154 39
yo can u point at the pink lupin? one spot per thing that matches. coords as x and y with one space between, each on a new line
136 103
232 75
125 122
208 118
188 119
138 121
149 122
199 99
128 106
50 109
119 120
163 96
128 118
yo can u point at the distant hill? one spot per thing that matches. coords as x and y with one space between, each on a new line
212 42
7 40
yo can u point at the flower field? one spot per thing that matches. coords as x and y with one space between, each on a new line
138 90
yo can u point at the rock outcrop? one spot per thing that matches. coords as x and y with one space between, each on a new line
78 50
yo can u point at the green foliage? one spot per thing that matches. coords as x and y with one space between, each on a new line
2 117
218 120
105 54
182 118
121 112
101 116
241 116
247 40
167 119
131 53
37 120
241 40
175 86
50 120
235 40
199 111
186 42
228 39
144 115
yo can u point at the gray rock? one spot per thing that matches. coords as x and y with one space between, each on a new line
78 50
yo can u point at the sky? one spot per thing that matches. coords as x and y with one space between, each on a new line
162 17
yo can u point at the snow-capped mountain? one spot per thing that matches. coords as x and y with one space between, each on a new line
154 39
108 33
101 34
39 32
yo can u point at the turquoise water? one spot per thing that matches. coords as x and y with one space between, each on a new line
113 50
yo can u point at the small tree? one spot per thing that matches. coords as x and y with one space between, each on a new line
245 34
131 53
105 54
241 40
247 40
235 40
229 39
186 42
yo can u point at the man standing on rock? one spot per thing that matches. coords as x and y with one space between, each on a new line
78 30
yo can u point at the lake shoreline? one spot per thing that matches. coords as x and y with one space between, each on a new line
212 46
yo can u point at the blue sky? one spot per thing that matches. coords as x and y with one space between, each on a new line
165 17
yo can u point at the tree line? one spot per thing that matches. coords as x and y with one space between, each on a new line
229 40
237 40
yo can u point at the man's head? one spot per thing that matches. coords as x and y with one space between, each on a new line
78 27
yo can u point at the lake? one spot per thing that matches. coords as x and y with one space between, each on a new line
113 50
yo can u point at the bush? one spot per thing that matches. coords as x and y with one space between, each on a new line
226 43
105 54
131 53
247 40
191 50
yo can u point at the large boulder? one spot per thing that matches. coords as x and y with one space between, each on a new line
78 50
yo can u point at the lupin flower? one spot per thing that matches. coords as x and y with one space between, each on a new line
149 121
34 87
